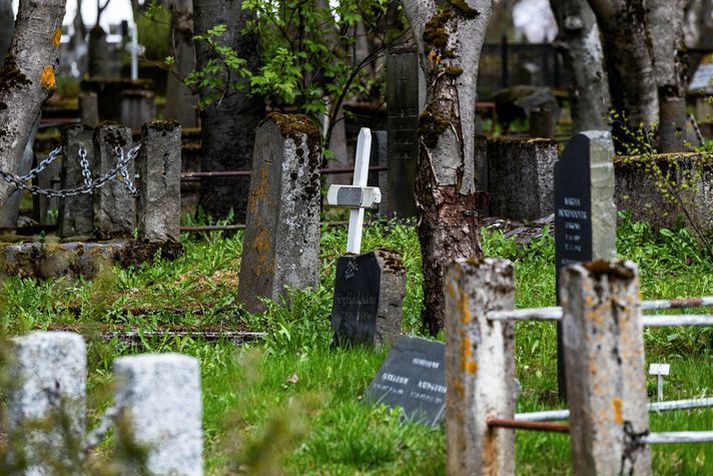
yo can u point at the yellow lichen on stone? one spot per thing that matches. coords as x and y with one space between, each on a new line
472 366
618 418
464 312
56 37
47 78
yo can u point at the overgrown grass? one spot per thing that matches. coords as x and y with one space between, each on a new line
292 404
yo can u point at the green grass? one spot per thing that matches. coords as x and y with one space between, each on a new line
293 404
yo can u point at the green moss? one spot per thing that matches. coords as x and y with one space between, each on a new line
10 75
293 125
463 9
434 33
162 126
430 127
454 71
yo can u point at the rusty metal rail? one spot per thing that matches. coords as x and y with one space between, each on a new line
247 173
241 226
527 425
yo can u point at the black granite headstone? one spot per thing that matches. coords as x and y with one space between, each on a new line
356 299
412 377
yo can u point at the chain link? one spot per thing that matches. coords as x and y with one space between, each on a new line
42 165
90 184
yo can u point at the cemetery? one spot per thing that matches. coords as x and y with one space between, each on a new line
356 237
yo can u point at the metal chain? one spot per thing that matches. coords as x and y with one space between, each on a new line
121 167
42 165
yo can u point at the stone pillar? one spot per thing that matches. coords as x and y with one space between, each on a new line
379 156
282 231
542 123
46 401
520 177
47 179
114 205
89 108
604 365
76 214
402 97
159 401
480 367
137 107
159 166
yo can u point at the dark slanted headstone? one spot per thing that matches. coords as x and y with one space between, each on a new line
368 294
402 97
281 244
76 214
412 377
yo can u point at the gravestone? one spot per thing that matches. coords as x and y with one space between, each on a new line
159 399
114 205
46 400
282 231
89 109
159 166
402 98
137 107
368 294
585 213
76 214
412 377
47 179
702 82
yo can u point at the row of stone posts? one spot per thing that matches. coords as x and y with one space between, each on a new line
604 364
157 409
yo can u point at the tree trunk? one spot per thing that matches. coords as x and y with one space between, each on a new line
450 39
669 49
27 79
228 126
630 68
7 28
581 49
180 101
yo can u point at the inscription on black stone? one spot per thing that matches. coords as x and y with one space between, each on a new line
350 197
412 377
573 205
356 299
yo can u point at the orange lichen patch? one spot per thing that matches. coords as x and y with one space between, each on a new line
458 386
618 418
589 300
464 312
56 37
472 366
47 78
451 291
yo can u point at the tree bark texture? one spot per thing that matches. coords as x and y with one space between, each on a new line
450 38
578 41
7 28
27 78
630 67
666 24
228 126
180 101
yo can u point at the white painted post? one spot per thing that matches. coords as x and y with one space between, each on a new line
357 196
46 402
659 370
159 398
134 51
480 368
604 363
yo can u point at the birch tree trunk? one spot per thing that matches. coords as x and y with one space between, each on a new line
27 78
578 41
450 37
630 67
669 50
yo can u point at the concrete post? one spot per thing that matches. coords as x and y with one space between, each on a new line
76 214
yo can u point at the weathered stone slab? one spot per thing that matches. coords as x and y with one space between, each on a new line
76 214
137 107
480 367
368 296
47 208
159 401
46 401
89 108
114 205
282 233
520 177
159 166
604 363
54 260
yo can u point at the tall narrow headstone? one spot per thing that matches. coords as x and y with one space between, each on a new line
158 397
89 108
114 205
585 213
282 230
46 402
402 97
159 166
76 214
137 107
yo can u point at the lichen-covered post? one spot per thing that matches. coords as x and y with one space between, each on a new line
282 230
480 367
159 165
114 205
76 214
158 398
46 402
604 365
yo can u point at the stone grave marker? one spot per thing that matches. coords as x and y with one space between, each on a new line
412 377
281 244
702 81
76 214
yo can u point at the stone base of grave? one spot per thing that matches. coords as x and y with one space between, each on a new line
77 259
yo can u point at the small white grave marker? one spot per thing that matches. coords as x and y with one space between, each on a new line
660 370
357 196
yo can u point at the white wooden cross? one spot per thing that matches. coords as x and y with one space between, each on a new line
357 196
